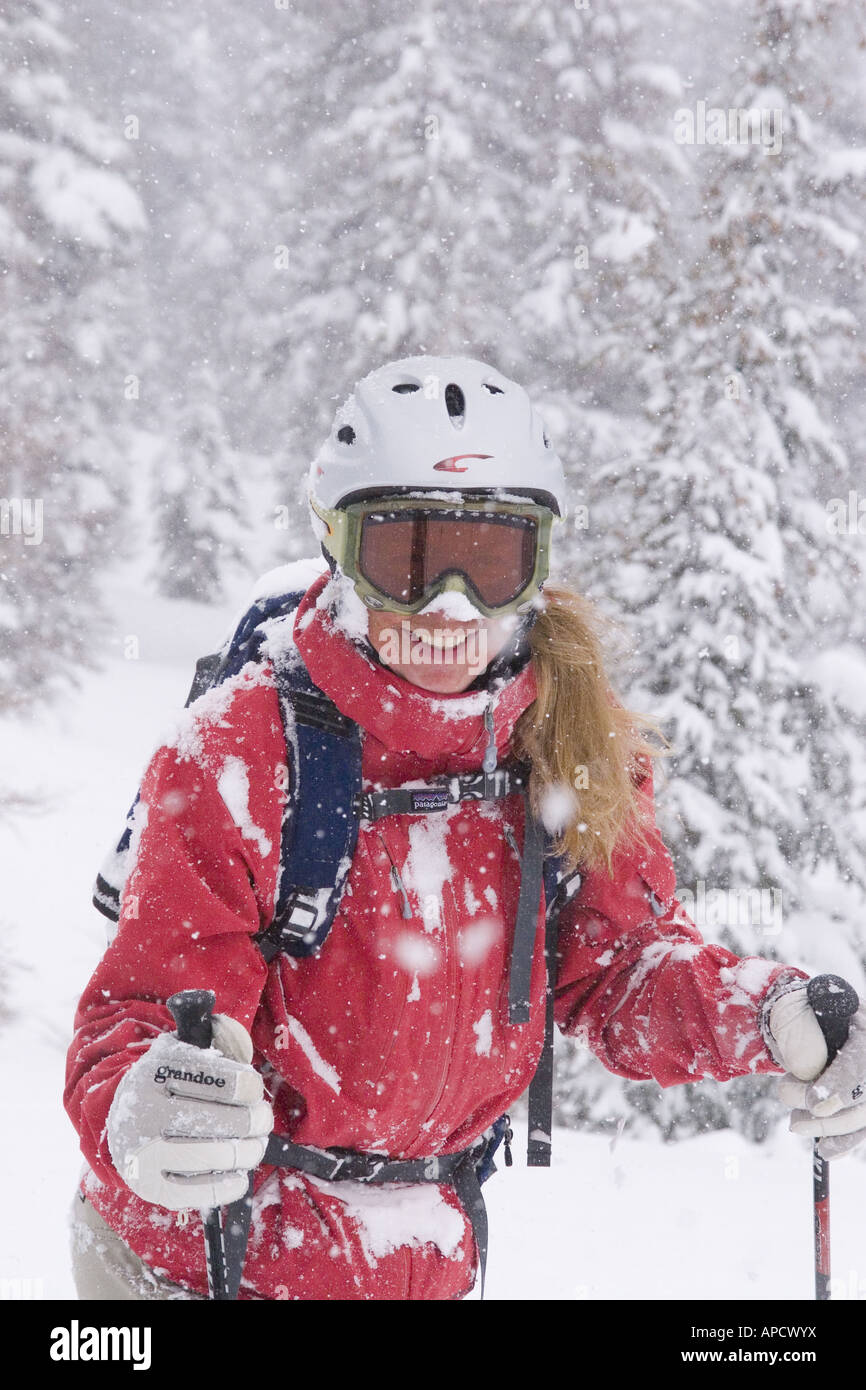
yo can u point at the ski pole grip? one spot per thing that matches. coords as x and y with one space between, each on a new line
192 1011
833 1002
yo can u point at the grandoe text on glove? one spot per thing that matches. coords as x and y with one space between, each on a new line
198 1077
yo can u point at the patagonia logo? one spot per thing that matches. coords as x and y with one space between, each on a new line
430 799
199 1078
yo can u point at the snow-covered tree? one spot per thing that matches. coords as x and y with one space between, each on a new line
178 80
401 176
603 172
68 218
722 552
198 511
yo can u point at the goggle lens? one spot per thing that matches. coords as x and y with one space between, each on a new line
403 554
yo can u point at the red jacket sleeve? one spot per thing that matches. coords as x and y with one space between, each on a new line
202 884
639 986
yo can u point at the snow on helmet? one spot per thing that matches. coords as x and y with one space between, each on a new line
432 424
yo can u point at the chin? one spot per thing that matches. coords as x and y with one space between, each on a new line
442 680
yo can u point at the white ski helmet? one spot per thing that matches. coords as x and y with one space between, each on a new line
436 424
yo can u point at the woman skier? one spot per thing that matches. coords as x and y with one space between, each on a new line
401 1007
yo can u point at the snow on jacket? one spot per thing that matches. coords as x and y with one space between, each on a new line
395 1037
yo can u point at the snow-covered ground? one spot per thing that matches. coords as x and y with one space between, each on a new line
713 1217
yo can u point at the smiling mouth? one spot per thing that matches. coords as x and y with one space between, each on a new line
441 639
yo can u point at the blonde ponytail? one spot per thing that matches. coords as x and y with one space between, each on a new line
587 752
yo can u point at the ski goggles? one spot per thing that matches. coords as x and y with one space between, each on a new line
401 552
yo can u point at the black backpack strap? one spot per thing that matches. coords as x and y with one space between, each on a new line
347 1165
540 1099
468 1189
206 671
560 885
523 947
537 869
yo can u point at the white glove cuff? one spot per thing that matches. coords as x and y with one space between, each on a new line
793 1033
231 1038
785 984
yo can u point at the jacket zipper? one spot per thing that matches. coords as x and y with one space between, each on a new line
453 993
399 887
452 987
511 840
396 881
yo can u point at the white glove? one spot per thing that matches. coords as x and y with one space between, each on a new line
828 1102
187 1123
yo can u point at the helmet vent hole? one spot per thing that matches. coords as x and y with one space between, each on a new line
346 434
494 390
455 401
546 440
404 387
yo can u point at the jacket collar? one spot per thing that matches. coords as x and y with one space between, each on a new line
400 715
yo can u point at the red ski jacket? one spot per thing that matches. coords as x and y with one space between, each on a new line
395 1037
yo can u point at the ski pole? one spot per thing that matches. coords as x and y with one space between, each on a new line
192 1011
833 1001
